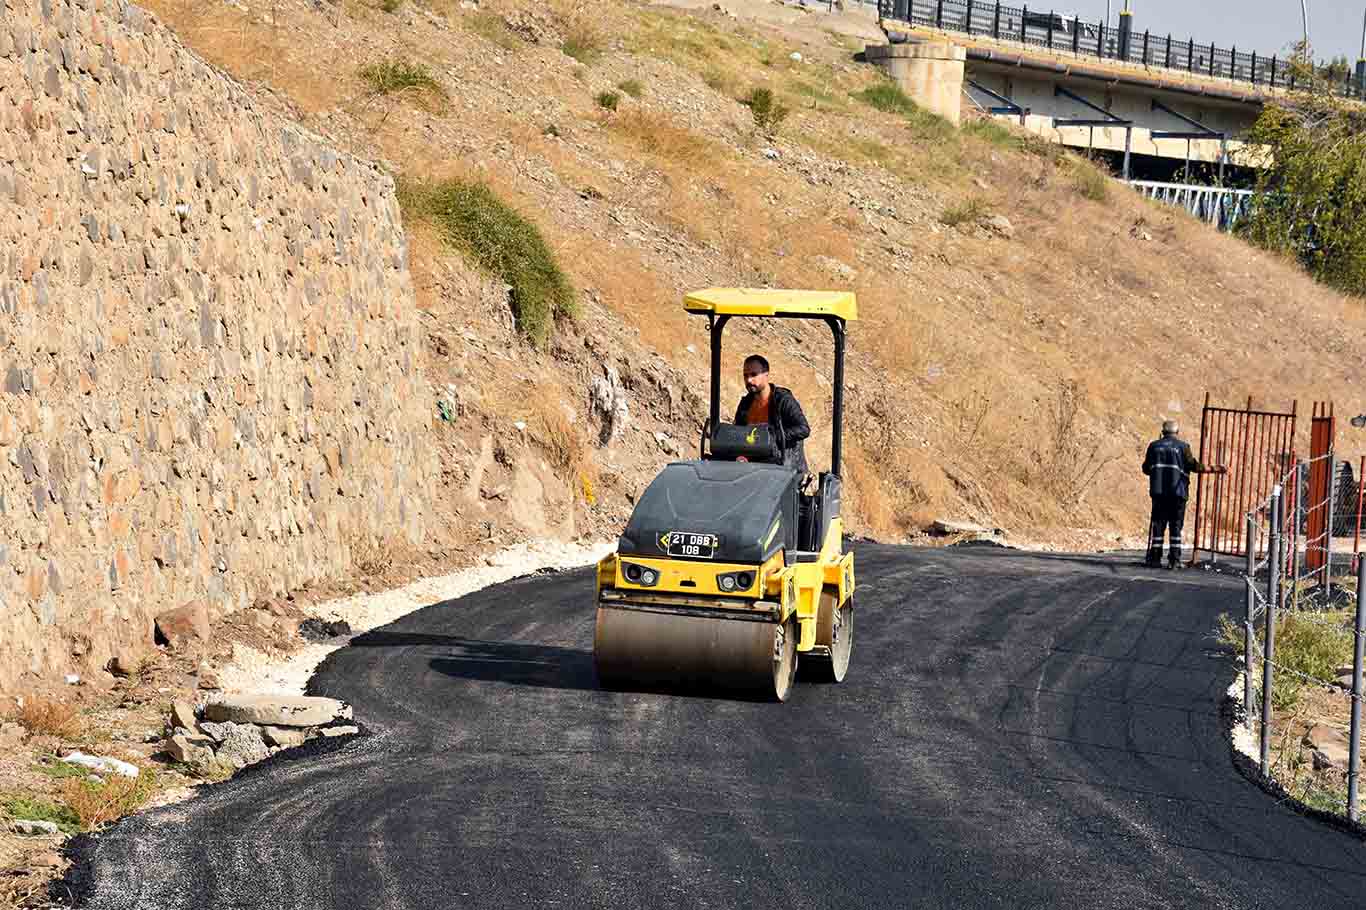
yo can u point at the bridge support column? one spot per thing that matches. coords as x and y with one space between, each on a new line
930 72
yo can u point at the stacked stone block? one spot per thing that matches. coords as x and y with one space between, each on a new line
210 377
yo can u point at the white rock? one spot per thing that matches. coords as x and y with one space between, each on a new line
100 763
182 716
33 828
243 746
1000 224
190 749
795 57
283 737
277 711
338 731
72 679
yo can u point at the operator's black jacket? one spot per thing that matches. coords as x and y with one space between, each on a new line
1169 464
786 422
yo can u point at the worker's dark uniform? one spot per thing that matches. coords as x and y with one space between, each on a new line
1168 464
786 422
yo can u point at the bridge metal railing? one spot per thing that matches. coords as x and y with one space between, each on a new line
1069 34
1218 206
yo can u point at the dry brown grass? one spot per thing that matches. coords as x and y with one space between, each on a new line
49 717
961 321
97 804
658 135
253 47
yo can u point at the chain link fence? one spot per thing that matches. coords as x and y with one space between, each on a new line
1300 621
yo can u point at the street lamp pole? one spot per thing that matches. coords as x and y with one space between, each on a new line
1304 16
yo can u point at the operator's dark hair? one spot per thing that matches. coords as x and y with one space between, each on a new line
759 359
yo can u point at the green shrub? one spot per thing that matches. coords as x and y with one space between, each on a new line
1091 182
472 218
1315 644
390 6
393 76
969 212
767 111
493 28
992 132
608 100
632 87
38 809
888 97
1310 155
584 43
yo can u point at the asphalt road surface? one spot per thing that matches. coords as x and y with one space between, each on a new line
1016 730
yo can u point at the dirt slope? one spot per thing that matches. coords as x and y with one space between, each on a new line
1009 375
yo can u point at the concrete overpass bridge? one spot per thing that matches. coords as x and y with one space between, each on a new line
1157 103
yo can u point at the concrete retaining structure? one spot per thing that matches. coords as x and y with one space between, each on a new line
210 380
930 72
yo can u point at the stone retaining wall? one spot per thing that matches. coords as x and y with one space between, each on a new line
210 380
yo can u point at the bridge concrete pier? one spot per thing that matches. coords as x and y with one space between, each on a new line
930 72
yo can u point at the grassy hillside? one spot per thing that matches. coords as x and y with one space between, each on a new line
1008 371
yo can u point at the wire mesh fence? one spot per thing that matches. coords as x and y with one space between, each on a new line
1068 33
1303 635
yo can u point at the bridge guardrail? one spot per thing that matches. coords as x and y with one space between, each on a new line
1067 33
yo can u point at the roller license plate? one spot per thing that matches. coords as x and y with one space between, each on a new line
693 546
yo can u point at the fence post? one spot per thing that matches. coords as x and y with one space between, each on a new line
939 14
1024 18
1249 639
1356 528
1273 72
1354 747
1295 516
968 21
1253 80
996 23
1100 42
1051 14
1273 599
1190 55
1167 60
1146 61
1211 58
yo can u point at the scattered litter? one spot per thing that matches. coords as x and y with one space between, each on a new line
99 763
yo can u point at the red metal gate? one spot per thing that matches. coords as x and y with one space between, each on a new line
1323 432
1256 447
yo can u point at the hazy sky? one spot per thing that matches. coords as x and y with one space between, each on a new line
1266 26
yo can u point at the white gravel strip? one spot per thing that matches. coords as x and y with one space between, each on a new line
253 672
1243 739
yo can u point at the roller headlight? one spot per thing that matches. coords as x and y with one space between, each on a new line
632 572
744 581
727 582
649 577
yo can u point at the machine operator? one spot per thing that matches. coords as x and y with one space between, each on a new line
776 406
1169 464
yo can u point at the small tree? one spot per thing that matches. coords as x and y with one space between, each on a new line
1311 192
767 111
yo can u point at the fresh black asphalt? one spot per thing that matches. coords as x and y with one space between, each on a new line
1017 730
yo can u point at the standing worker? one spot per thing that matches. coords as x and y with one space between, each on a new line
1169 465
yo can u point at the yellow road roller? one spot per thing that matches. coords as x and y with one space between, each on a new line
732 566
